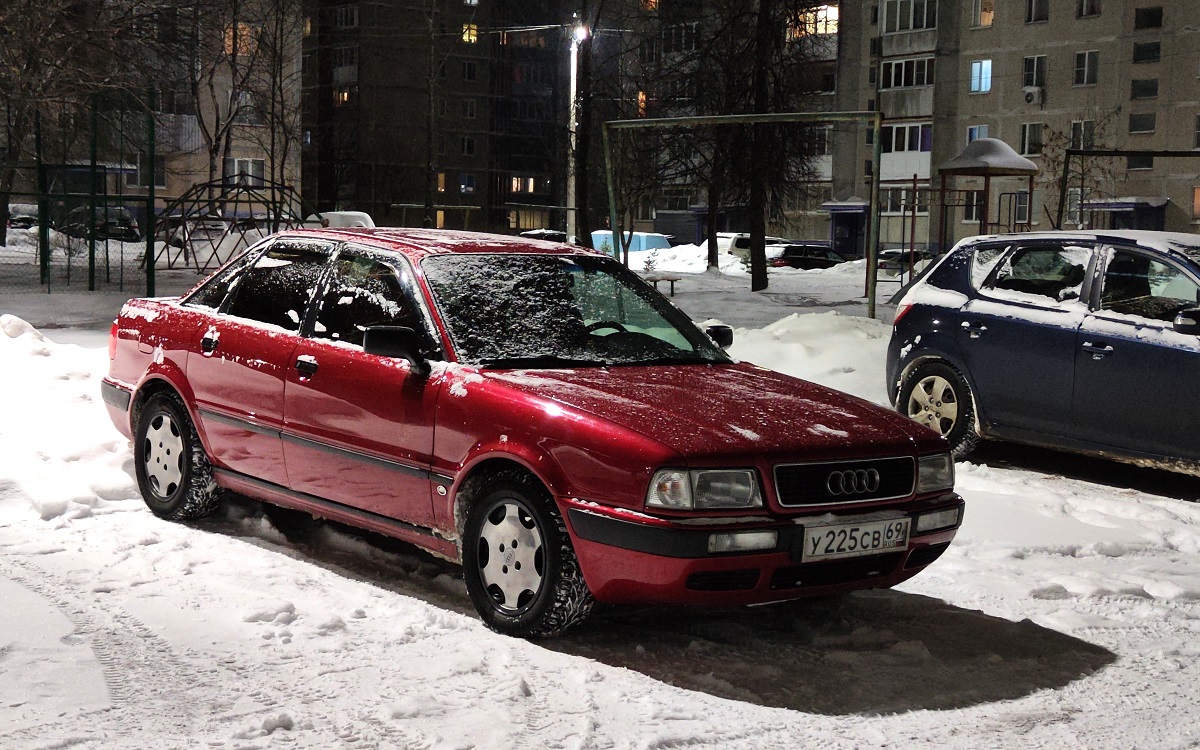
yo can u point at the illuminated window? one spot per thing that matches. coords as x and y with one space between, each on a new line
649 4
441 219
641 104
822 19
307 26
981 76
1196 203
470 33
466 183
441 182
244 42
983 13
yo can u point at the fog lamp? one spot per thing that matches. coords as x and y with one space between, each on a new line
742 541
939 519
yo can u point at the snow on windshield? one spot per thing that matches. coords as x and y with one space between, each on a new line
515 308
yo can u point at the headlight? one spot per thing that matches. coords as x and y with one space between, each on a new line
935 473
704 489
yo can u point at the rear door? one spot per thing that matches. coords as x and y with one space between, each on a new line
1134 375
1017 336
237 365
358 428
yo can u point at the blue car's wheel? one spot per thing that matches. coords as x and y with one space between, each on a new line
937 396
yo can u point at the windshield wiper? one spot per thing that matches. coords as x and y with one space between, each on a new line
542 361
678 359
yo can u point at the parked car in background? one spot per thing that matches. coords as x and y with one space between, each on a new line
111 223
1081 341
531 409
739 244
804 255
22 215
903 261
602 240
549 235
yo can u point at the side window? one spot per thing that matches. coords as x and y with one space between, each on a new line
1136 284
277 287
983 260
365 292
1045 271
214 290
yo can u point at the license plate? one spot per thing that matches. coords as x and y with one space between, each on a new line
854 539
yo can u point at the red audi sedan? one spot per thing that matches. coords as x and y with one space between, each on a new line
530 409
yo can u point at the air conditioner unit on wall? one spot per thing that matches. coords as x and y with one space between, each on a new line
1033 94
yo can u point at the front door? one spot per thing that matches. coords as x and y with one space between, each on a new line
1134 375
358 428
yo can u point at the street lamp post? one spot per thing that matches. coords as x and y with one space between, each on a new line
578 34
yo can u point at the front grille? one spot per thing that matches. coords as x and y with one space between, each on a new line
926 555
857 481
835 571
724 580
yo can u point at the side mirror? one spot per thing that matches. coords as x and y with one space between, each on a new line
721 334
400 342
1188 322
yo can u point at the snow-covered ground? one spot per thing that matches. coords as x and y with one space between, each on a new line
1065 615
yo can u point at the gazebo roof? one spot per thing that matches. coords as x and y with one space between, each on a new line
989 157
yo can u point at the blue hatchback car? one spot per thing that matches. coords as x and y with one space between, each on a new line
1080 341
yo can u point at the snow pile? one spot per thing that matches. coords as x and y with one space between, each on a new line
684 259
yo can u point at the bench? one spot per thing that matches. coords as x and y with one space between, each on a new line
654 278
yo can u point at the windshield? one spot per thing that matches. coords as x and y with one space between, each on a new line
529 311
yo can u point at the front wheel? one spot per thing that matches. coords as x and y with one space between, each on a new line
173 472
520 568
937 396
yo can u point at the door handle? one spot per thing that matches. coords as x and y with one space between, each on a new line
974 330
306 366
208 344
1098 349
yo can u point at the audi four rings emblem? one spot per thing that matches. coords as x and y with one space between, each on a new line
852 482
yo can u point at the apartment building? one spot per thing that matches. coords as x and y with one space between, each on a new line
1041 75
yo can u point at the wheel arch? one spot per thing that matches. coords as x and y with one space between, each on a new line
476 475
165 381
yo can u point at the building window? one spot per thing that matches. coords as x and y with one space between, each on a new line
247 172
907 73
141 176
1086 65
1139 162
344 95
1143 88
345 17
1021 208
344 61
973 208
1035 71
1084 8
909 15
1197 136
1037 10
440 219
902 200
649 4
1147 52
983 12
679 38
818 21
1031 138
1148 18
466 183
308 26
468 70
526 184
470 33
1083 134
472 3
1142 123
1196 203
441 182
981 76
917 137
468 108
468 146
975 132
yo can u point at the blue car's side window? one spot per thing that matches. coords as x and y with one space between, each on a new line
1048 271
1136 284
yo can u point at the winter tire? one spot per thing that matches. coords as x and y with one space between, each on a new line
173 472
520 568
937 396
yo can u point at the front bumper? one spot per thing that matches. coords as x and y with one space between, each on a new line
627 558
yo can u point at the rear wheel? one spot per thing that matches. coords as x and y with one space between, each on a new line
937 396
173 472
520 568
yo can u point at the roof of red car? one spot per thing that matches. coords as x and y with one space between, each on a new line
418 243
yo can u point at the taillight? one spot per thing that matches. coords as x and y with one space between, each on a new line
901 311
112 341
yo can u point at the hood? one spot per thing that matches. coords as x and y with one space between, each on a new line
719 411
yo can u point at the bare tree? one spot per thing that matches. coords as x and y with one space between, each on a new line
1090 130
274 86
